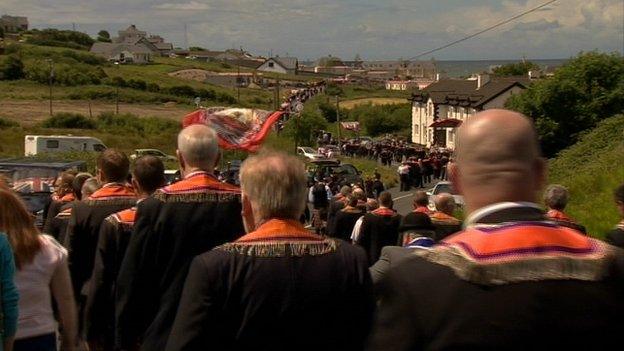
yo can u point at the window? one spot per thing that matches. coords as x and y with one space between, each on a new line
52 144
271 64
416 129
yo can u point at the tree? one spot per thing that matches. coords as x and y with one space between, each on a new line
583 92
515 69
104 36
1 32
302 128
197 48
12 68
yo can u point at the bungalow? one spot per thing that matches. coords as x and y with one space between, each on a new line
123 53
441 107
155 43
284 65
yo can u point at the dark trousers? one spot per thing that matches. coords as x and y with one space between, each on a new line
405 185
36 343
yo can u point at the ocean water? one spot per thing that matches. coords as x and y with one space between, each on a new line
456 69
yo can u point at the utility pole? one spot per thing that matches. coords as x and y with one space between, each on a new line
277 95
117 91
338 120
238 81
51 79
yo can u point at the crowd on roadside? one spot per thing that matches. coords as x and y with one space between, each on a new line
126 262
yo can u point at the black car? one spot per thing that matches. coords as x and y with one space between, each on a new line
33 180
342 173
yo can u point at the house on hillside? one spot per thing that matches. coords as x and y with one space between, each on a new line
284 65
155 43
443 106
13 24
403 68
123 53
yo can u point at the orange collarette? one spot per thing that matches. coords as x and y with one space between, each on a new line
112 191
280 228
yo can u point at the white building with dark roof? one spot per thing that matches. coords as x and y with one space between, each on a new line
123 53
443 106
284 65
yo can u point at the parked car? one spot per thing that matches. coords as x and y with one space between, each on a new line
330 149
152 152
172 176
444 187
344 173
33 181
309 153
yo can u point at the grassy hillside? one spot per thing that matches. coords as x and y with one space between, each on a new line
592 169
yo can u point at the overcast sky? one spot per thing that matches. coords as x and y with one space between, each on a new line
375 29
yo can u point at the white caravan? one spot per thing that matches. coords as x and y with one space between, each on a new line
36 144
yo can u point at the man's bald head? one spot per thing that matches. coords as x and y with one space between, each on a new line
497 159
197 147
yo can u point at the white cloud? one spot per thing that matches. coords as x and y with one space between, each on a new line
189 6
372 28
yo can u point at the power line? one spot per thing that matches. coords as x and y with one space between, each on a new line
483 30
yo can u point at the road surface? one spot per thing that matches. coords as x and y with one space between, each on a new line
403 199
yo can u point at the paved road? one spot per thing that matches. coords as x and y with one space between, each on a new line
403 199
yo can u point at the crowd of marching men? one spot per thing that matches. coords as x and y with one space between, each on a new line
126 262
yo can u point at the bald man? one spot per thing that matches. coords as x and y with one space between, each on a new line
512 279
172 226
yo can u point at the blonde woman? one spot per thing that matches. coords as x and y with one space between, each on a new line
42 273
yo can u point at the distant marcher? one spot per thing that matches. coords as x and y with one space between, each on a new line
63 195
173 225
616 236
147 176
371 205
274 287
417 232
346 218
556 198
421 202
87 215
58 226
319 196
337 203
378 185
379 228
42 275
512 279
404 178
443 221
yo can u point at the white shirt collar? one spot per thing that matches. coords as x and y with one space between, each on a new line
477 215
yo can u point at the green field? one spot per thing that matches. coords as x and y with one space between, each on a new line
592 169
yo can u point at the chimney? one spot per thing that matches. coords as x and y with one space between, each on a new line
482 79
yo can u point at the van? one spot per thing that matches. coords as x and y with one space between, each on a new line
36 144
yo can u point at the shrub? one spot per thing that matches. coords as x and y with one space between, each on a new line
7 123
153 87
118 82
182 90
129 123
226 98
55 37
11 68
68 121
137 84
206 94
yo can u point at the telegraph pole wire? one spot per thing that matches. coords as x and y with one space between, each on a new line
484 30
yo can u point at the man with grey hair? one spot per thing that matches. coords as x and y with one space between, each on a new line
556 199
512 279
442 218
272 288
173 225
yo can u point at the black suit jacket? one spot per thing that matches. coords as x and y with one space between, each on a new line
426 306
